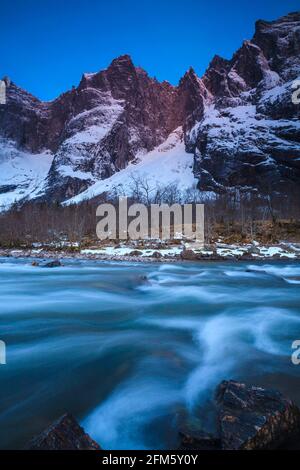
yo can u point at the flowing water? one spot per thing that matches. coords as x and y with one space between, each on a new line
130 348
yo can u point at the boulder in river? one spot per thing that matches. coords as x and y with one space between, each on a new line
253 418
52 264
63 434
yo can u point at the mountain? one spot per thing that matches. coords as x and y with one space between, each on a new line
234 128
249 136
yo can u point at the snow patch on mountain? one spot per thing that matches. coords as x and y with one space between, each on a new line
91 126
21 173
167 164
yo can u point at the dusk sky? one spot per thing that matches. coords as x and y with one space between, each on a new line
47 45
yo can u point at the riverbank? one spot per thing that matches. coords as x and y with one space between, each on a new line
156 252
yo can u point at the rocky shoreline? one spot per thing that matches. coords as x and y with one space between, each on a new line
248 418
166 253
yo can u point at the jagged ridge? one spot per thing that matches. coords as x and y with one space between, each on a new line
238 121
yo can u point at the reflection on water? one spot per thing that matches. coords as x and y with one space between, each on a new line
127 348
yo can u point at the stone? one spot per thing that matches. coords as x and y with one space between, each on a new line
63 434
135 253
52 264
189 255
253 418
192 438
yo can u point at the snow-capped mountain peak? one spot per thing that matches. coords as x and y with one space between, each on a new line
237 123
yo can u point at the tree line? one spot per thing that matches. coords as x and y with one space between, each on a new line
245 216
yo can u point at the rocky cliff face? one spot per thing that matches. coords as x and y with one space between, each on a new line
239 122
249 136
96 129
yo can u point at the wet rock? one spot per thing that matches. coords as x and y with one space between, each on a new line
52 264
192 434
34 263
156 255
193 438
63 434
143 279
255 418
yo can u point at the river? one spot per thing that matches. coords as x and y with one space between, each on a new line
132 348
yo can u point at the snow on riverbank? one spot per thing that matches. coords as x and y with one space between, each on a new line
152 252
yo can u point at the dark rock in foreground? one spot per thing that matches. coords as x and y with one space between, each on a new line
255 418
63 434
249 418
193 439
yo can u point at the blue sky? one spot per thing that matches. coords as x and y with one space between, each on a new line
47 45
